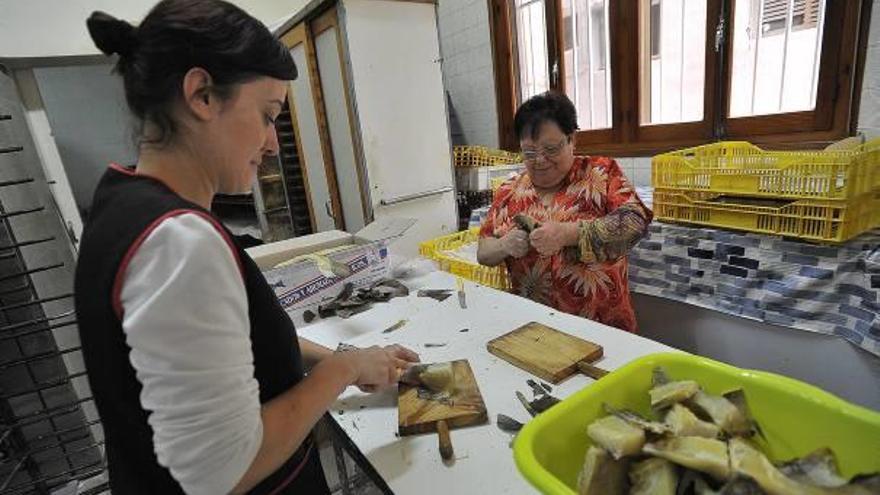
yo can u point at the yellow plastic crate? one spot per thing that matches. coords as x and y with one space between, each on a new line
497 181
810 219
436 249
481 156
795 418
740 168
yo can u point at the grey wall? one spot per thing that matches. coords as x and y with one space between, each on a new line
468 73
90 122
825 361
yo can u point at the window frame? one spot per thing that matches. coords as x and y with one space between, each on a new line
837 95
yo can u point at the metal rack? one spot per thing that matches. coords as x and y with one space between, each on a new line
50 436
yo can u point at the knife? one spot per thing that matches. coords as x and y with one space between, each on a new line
461 297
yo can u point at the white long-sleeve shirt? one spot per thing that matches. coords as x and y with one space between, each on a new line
185 317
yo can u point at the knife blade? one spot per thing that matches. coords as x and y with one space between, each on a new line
462 301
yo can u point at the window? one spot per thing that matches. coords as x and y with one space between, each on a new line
588 78
779 73
532 48
775 14
674 65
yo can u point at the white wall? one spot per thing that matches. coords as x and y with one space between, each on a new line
468 71
57 28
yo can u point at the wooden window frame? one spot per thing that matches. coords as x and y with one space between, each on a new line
837 96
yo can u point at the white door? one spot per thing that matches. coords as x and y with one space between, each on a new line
349 174
305 115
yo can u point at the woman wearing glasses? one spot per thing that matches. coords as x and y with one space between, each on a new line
582 213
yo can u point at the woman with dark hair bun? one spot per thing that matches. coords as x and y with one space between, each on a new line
196 370
564 226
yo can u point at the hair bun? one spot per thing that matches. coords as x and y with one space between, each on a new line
111 35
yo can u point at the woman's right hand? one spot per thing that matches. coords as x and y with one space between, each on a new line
515 243
375 367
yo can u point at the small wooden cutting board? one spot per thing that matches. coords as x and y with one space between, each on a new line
545 352
465 407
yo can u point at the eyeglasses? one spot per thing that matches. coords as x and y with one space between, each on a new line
545 151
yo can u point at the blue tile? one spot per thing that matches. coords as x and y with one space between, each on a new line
820 251
777 319
650 245
831 297
755 313
705 254
690 272
744 262
799 259
849 335
832 318
677 278
684 241
645 263
778 287
752 303
747 241
856 312
820 273
797 313
857 290
871 306
653 282
702 289
676 260
864 327
769 275
875 281
734 270
730 290
729 249
851 266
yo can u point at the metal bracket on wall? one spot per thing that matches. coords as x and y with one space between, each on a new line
419 195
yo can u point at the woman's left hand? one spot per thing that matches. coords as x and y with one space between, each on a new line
551 237
399 352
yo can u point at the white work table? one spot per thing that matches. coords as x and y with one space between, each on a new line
483 459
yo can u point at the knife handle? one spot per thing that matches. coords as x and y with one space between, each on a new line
445 442
591 371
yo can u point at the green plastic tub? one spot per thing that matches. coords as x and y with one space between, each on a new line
796 418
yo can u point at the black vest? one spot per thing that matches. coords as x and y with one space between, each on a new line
126 207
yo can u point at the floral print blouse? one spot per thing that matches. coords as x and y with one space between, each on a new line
589 280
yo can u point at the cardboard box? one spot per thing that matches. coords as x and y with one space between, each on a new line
303 285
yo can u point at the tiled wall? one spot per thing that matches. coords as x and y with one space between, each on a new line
467 69
637 169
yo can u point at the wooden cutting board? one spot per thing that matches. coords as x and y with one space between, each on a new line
466 407
546 352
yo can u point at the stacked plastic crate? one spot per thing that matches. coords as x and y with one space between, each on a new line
827 196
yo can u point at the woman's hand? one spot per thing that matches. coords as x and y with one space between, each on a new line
375 368
515 243
551 237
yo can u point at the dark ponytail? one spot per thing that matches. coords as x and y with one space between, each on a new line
111 35
176 36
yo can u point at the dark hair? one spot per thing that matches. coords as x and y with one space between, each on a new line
178 35
545 107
